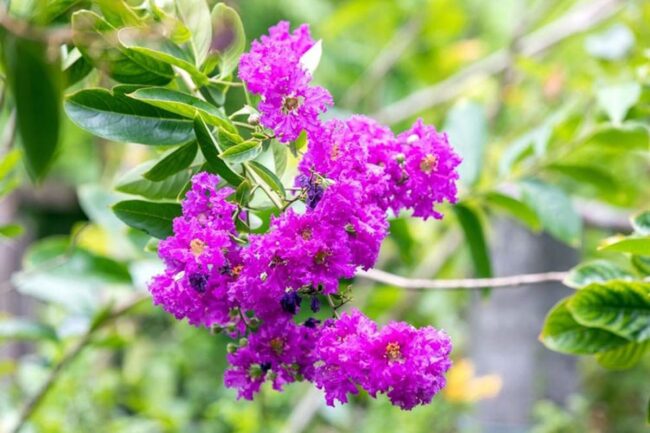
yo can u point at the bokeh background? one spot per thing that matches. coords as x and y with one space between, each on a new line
552 90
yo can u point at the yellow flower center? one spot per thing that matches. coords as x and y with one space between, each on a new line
277 344
393 351
197 246
429 164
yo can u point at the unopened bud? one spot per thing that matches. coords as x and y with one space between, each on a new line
231 348
254 119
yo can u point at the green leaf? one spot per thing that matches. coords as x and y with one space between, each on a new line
147 42
242 194
279 157
115 116
195 14
11 230
134 183
210 149
466 126
25 329
75 67
473 230
268 177
554 209
621 307
641 223
563 334
98 41
641 263
118 13
182 104
597 271
616 100
155 219
55 272
600 179
228 40
242 152
630 244
628 136
623 357
514 207
173 162
35 80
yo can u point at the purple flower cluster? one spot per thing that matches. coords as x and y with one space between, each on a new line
272 69
353 173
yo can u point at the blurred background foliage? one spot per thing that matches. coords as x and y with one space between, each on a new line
556 141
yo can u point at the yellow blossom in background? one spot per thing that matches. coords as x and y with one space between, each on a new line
464 387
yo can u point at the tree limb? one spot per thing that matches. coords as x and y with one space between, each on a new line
579 19
460 284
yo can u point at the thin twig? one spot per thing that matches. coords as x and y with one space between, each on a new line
579 19
34 402
460 284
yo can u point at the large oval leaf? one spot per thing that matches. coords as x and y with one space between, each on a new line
242 152
115 116
621 307
99 43
623 357
562 333
554 209
35 82
155 219
228 40
173 162
210 149
182 104
167 189
597 271
473 230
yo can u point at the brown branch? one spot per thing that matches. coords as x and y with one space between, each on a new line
34 402
460 284
579 19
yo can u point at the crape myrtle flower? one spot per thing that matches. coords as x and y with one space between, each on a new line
353 173
407 364
422 170
280 351
200 258
272 69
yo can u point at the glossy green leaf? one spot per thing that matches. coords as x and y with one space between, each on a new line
279 157
155 219
11 230
599 179
515 208
118 13
623 357
475 237
35 80
98 41
228 39
554 209
596 271
626 137
75 278
639 245
182 104
563 334
210 150
195 14
75 67
115 116
25 329
242 194
641 223
621 307
242 152
173 162
134 183
616 100
268 177
146 42
466 126
641 263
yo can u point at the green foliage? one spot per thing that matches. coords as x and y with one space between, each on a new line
538 140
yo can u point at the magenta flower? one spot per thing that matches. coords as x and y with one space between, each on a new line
272 69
